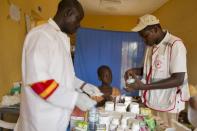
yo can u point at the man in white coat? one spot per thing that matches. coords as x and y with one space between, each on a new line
165 88
50 88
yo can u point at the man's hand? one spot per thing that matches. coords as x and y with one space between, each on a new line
138 85
91 90
84 102
98 98
128 73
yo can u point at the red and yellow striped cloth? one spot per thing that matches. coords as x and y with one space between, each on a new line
45 88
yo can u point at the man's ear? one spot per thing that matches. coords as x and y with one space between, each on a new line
155 29
68 12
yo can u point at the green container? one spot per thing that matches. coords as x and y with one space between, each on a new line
15 90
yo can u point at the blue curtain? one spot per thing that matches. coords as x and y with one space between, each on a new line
98 47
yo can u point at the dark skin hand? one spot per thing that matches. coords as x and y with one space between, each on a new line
175 80
193 102
107 91
137 71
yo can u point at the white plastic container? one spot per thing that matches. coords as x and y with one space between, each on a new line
115 121
136 126
105 119
130 80
112 127
109 106
119 128
120 107
134 108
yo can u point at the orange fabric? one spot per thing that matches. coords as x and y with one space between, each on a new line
45 88
115 92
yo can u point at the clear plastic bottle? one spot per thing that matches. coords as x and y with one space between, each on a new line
93 117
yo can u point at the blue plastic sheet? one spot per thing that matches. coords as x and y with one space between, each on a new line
118 50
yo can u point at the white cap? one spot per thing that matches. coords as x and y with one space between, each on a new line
144 21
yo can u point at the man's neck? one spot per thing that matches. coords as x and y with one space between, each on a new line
105 85
57 21
162 35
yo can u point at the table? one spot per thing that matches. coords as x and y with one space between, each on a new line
8 110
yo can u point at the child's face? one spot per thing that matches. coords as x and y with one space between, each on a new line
106 76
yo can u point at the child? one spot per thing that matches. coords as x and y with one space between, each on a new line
105 76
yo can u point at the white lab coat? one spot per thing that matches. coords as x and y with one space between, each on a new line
166 58
46 55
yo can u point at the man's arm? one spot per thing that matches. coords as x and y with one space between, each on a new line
175 80
88 88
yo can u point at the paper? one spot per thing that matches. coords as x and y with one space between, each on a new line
14 13
7 125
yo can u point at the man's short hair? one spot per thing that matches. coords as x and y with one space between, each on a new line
68 4
99 70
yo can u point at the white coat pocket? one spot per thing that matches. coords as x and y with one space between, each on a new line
160 66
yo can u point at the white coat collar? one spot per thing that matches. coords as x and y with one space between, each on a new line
53 23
